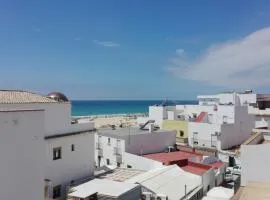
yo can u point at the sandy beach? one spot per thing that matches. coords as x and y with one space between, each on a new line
117 120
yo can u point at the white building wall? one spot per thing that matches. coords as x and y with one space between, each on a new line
22 155
149 142
157 113
135 144
255 163
208 180
231 134
108 149
237 133
204 131
250 98
73 165
139 162
57 115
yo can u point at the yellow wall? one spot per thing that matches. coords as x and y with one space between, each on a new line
176 125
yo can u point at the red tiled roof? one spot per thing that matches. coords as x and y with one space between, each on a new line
173 156
200 117
196 168
217 164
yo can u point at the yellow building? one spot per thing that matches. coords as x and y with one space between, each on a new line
181 127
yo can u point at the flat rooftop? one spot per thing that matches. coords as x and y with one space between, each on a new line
172 156
217 164
196 168
102 187
122 132
120 174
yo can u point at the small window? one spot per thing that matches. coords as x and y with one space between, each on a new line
208 187
118 164
57 153
109 141
57 191
129 166
108 161
72 147
195 142
181 133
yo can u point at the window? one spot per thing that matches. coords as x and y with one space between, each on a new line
109 141
181 133
195 142
129 166
118 164
57 191
57 153
208 187
72 147
108 161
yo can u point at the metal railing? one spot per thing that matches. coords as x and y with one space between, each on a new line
203 143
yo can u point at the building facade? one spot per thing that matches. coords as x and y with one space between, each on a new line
22 154
114 146
67 147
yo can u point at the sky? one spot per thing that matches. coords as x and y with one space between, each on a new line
143 49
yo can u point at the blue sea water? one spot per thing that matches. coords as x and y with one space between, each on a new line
103 107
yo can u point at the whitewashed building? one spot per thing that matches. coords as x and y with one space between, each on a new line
218 121
22 154
115 146
67 148
261 111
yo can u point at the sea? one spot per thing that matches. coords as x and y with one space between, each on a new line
110 107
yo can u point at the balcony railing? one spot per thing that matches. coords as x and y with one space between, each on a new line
117 151
100 152
203 143
98 145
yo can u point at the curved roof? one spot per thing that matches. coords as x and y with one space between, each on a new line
58 96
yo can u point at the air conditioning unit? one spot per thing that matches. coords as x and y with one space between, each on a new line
161 197
146 196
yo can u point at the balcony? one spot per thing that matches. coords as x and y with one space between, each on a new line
117 151
203 143
98 146
100 152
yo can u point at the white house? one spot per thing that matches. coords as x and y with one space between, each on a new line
225 126
68 148
115 146
22 154
218 121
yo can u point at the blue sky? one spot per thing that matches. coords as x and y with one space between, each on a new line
143 49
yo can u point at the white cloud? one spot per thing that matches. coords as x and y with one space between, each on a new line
179 51
106 43
241 63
